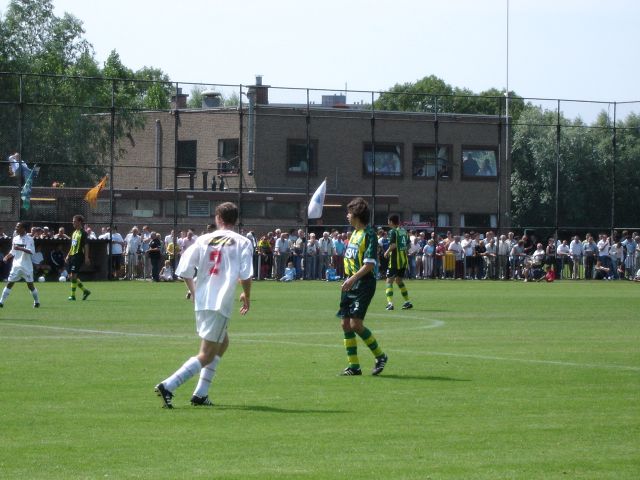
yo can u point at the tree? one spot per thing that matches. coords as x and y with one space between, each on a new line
59 99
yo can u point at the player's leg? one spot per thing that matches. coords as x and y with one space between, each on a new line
403 290
388 288
208 372
34 294
6 291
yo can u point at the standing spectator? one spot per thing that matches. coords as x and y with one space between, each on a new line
145 260
590 253
428 257
326 254
603 250
576 256
61 235
22 249
281 255
311 258
490 259
630 247
132 241
456 248
154 252
468 247
40 268
116 245
56 258
338 253
516 258
616 255
383 246
564 258
218 260
298 250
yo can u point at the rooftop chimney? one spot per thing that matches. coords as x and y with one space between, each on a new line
260 91
179 100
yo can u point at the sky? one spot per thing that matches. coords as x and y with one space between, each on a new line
567 49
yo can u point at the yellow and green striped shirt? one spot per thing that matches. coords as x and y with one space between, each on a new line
362 248
399 258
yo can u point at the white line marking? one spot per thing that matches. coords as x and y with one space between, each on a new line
242 337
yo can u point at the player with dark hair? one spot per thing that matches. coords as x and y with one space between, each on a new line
359 287
217 261
398 262
77 256
22 250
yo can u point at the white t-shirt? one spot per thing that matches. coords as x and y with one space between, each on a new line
221 259
22 259
133 243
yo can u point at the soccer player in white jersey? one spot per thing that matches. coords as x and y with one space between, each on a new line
22 249
217 261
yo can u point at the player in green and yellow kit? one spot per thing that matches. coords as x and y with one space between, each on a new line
359 287
77 256
398 262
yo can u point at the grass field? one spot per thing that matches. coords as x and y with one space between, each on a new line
486 380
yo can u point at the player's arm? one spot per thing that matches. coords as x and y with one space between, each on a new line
191 285
245 296
366 268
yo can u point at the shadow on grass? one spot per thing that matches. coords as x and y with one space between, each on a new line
267 409
429 378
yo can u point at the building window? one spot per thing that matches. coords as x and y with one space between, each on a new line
198 208
283 210
479 162
479 221
444 220
422 219
297 157
424 161
228 155
388 161
187 156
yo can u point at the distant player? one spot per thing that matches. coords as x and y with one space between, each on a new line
22 249
359 287
77 256
398 262
217 261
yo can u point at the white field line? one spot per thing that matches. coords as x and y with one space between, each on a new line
243 337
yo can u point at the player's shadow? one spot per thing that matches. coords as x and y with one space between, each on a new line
429 378
267 409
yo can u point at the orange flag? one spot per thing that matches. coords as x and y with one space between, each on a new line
92 195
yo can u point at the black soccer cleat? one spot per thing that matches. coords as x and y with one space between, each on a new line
165 395
407 305
85 294
197 401
350 371
389 306
381 361
36 305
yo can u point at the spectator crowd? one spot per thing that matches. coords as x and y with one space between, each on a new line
296 255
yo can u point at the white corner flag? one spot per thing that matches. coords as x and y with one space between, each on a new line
317 201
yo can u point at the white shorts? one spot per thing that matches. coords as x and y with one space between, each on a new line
211 325
18 273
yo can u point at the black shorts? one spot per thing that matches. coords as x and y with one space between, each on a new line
355 302
75 263
396 272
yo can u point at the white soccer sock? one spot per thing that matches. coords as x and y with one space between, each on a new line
5 294
206 377
184 373
34 294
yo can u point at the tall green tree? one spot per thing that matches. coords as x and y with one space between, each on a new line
59 99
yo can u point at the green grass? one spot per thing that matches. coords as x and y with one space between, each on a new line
486 380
